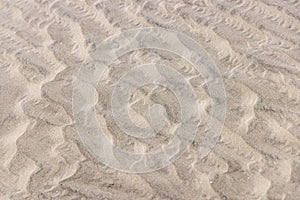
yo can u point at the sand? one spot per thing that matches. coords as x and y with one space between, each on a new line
254 44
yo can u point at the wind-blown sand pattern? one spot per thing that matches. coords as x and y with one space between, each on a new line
256 46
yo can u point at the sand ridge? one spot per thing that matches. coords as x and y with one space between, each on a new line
255 44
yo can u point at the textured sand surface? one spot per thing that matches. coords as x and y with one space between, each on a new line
256 46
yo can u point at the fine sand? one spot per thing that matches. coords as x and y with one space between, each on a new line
255 45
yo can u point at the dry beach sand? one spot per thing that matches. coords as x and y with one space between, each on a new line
255 45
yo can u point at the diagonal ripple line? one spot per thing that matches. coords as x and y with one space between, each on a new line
114 47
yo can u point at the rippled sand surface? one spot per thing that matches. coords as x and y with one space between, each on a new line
256 46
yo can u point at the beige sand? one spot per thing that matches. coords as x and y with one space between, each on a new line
255 44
